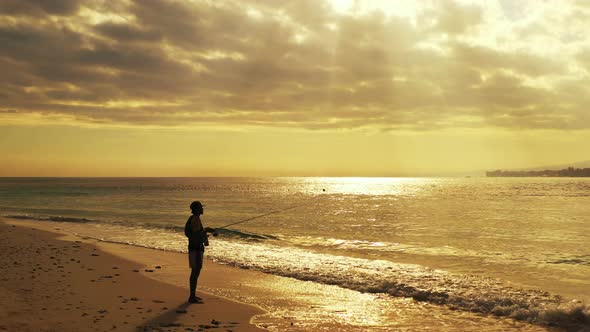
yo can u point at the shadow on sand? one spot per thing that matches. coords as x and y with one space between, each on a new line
169 320
175 320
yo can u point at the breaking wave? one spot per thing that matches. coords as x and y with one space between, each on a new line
224 232
49 218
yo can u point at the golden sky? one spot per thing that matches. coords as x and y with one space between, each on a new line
291 87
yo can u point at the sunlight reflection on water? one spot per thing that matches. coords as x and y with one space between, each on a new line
366 185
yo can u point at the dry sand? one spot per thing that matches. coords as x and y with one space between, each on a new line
52 284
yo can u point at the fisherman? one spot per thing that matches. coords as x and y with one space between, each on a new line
197 241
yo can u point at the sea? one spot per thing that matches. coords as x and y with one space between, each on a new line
503 247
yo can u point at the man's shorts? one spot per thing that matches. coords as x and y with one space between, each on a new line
195 259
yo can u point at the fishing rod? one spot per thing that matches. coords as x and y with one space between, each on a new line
214 230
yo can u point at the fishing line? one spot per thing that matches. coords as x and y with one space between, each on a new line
214 230
256 217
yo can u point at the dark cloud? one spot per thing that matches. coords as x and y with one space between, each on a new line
272 63
124 33
39 7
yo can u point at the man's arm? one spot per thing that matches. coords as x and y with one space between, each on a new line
187 230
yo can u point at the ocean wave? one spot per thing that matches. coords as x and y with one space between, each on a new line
317 242
223 232
233 233
573 261
49 218
63 193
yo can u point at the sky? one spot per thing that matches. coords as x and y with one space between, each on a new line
291 87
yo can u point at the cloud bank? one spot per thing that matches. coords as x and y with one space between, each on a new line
298 63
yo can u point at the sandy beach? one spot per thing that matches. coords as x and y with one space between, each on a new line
53 284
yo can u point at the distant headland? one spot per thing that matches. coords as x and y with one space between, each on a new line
566 172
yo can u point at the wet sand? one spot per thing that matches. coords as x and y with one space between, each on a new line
48 284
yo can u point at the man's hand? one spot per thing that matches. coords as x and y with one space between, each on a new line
211 230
